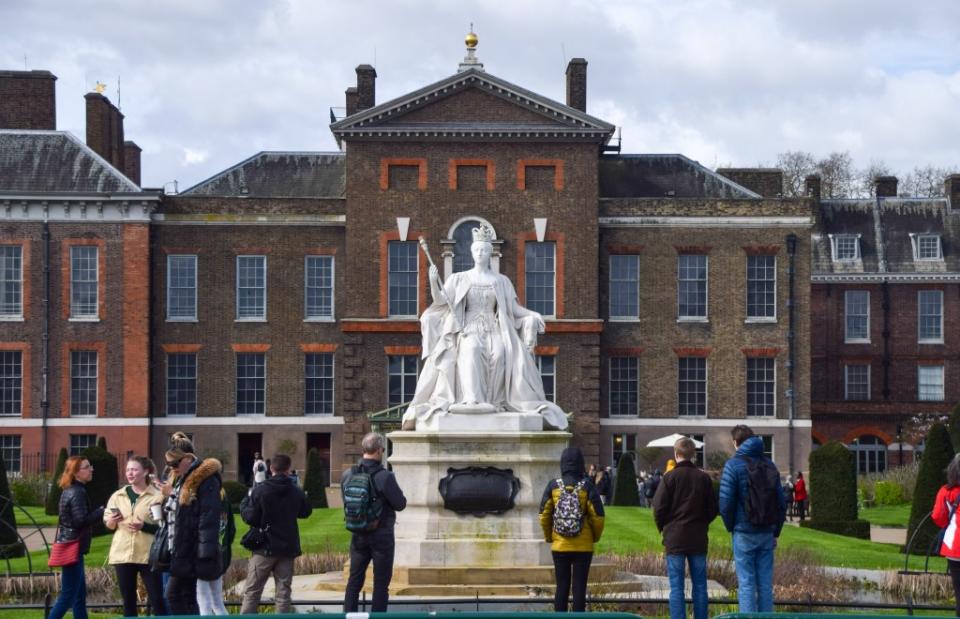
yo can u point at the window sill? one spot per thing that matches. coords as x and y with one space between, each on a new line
327 320
11 318
406 317
187 320
181 416
930 342
691 416
84 319
249 414
760 321
624 319
856 341
932 400
250 320
693 320
326 415
72 416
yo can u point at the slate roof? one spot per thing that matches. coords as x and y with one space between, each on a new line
565 121
656 176
279 175
885 226
55 162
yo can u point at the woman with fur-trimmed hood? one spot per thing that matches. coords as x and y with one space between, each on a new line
192 511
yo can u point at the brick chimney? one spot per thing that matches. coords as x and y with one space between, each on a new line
366 87
811 185
768 182
28 100
351 100
577 84
105 129
886 186
131 161
951 188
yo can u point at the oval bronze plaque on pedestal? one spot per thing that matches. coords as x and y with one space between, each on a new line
479 490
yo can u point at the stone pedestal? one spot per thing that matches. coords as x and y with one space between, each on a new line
429 536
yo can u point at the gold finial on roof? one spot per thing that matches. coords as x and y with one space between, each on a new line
471 39
100 88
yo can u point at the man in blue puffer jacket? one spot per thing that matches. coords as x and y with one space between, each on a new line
752 545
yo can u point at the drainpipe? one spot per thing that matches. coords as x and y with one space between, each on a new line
45 345
885 295
791 345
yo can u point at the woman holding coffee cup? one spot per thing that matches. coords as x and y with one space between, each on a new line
132 514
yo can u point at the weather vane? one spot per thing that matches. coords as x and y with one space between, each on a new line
100 88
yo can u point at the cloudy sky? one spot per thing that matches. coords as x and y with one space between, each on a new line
205 84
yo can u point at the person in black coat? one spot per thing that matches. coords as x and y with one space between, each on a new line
192 511
275 506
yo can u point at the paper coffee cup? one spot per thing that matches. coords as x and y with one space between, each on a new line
156 511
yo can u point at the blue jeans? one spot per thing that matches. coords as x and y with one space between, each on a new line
73 593
698 577
753 556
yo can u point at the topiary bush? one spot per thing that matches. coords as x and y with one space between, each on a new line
102 442
625 491
314 480
52 504
104 483
10 544
887 493
932 475
235 492
833 492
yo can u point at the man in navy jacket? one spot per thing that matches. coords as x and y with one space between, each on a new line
753 546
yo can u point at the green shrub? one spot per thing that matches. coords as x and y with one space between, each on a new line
104 482
315 480
235 492
954 427
625 491
852 528
647 457
833 492
29 490
932 475
887 493
10 544
53 495
716 460
102 442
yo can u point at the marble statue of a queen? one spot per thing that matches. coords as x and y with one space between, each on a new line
478 346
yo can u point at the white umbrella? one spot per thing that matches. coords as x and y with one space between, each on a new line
668 441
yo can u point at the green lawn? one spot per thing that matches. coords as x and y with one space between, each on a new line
888 515
38 515
628 530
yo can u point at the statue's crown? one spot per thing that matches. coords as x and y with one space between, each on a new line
483 233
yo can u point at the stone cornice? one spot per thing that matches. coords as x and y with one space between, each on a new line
112 208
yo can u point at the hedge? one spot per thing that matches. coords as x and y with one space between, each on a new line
833 492
53 496
625 491
932 475
10 545
314 480
887 493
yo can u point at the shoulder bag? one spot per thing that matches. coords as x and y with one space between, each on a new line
64 554
256 538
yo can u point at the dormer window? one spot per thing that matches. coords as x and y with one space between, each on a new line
845 247
926 246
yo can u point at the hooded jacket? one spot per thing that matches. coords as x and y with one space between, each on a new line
571 473
195 551
275 505
76 519
734 490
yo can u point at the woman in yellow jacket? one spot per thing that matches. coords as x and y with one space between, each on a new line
128 515
571 516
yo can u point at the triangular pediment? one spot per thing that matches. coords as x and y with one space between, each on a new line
473 104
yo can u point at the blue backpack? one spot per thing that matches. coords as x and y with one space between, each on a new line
362 504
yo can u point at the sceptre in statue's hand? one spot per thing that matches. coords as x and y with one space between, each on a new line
436 286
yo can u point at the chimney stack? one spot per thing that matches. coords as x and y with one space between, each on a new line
886 186
812 187
351 100
366 87
28 100
768 182
577 84
105 129
951 188
131 161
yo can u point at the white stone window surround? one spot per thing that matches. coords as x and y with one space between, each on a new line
175 283
693 283
84 283
11 283
856 305
844 247
927 299
244 311
761 319
310 313
624 281
449 245
926 247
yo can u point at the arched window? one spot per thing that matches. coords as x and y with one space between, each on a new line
871 454
463 235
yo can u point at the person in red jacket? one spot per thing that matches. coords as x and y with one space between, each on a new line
800 496
945 516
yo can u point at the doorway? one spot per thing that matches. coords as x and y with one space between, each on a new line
247 445
321 442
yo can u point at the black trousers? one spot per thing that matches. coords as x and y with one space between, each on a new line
378 547
571 566
802 509
954 568
127 581
182 596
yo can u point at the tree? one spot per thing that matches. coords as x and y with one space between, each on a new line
10 544
925 182
52 507
105 479
796 166
314 480
833 492
648 456
836 175
936 456
625 492
866 181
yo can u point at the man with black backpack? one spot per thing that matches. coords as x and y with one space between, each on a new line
753 509
371 498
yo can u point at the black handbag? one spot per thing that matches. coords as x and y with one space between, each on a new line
160 550
256 538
